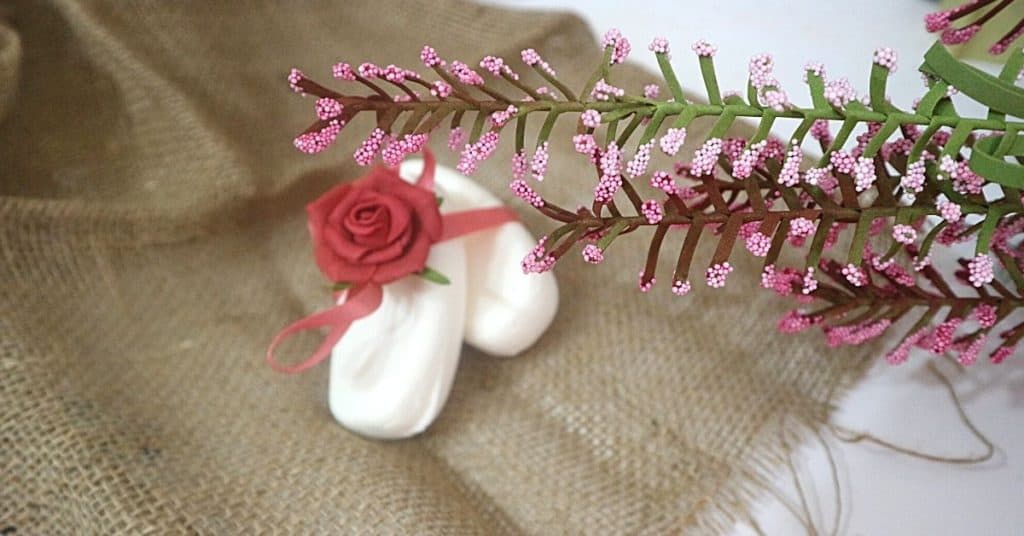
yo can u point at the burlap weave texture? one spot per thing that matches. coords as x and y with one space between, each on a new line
152 239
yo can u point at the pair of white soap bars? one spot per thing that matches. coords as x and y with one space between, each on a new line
392 371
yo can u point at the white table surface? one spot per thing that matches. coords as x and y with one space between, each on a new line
883 492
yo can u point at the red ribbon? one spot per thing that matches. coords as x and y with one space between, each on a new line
363 299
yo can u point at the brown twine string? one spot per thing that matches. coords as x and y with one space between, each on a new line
849 436
808 520
803 513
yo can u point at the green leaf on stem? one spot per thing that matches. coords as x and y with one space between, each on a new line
433 276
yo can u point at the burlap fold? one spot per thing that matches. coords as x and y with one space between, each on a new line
152 240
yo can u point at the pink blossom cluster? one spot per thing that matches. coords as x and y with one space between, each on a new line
1004 43
523 191
938 21
397 149
1001 353
733 147
661 180
856 334
842 162
820 131
839 92
952 234
949 211
659 46
318 140
795 322
681 288
965 180
864 173
441 89
900 354
638 165
430 58
760 69
815 68
781 281
717 273
959 36
496 66
743 166
371 146
651 91
981 270
620 45
706 157
368 70
800 229
789 175
855 275
519 165
969 354
758 244
645 283
538 260
672 141
769 91
296 76
456 138
396 74
591 118
820 177
592 254
704 49
343 71
885 57
465 74
901 146
611 174
913 180
499 118
539 163
904 234
585 144
604 91
474 153
652 211
810 283
985 314
533 59
328 108
941 339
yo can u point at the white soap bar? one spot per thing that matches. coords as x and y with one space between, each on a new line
507 310
392 371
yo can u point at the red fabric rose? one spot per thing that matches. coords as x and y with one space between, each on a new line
376 229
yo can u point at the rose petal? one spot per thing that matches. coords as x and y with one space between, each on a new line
341 243
424 204
369 221
414 260
318 211
337 269
392 251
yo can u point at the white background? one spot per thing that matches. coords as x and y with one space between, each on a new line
883 492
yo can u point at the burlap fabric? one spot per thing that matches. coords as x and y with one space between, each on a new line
152 239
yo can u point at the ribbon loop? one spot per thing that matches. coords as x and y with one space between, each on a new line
359 302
